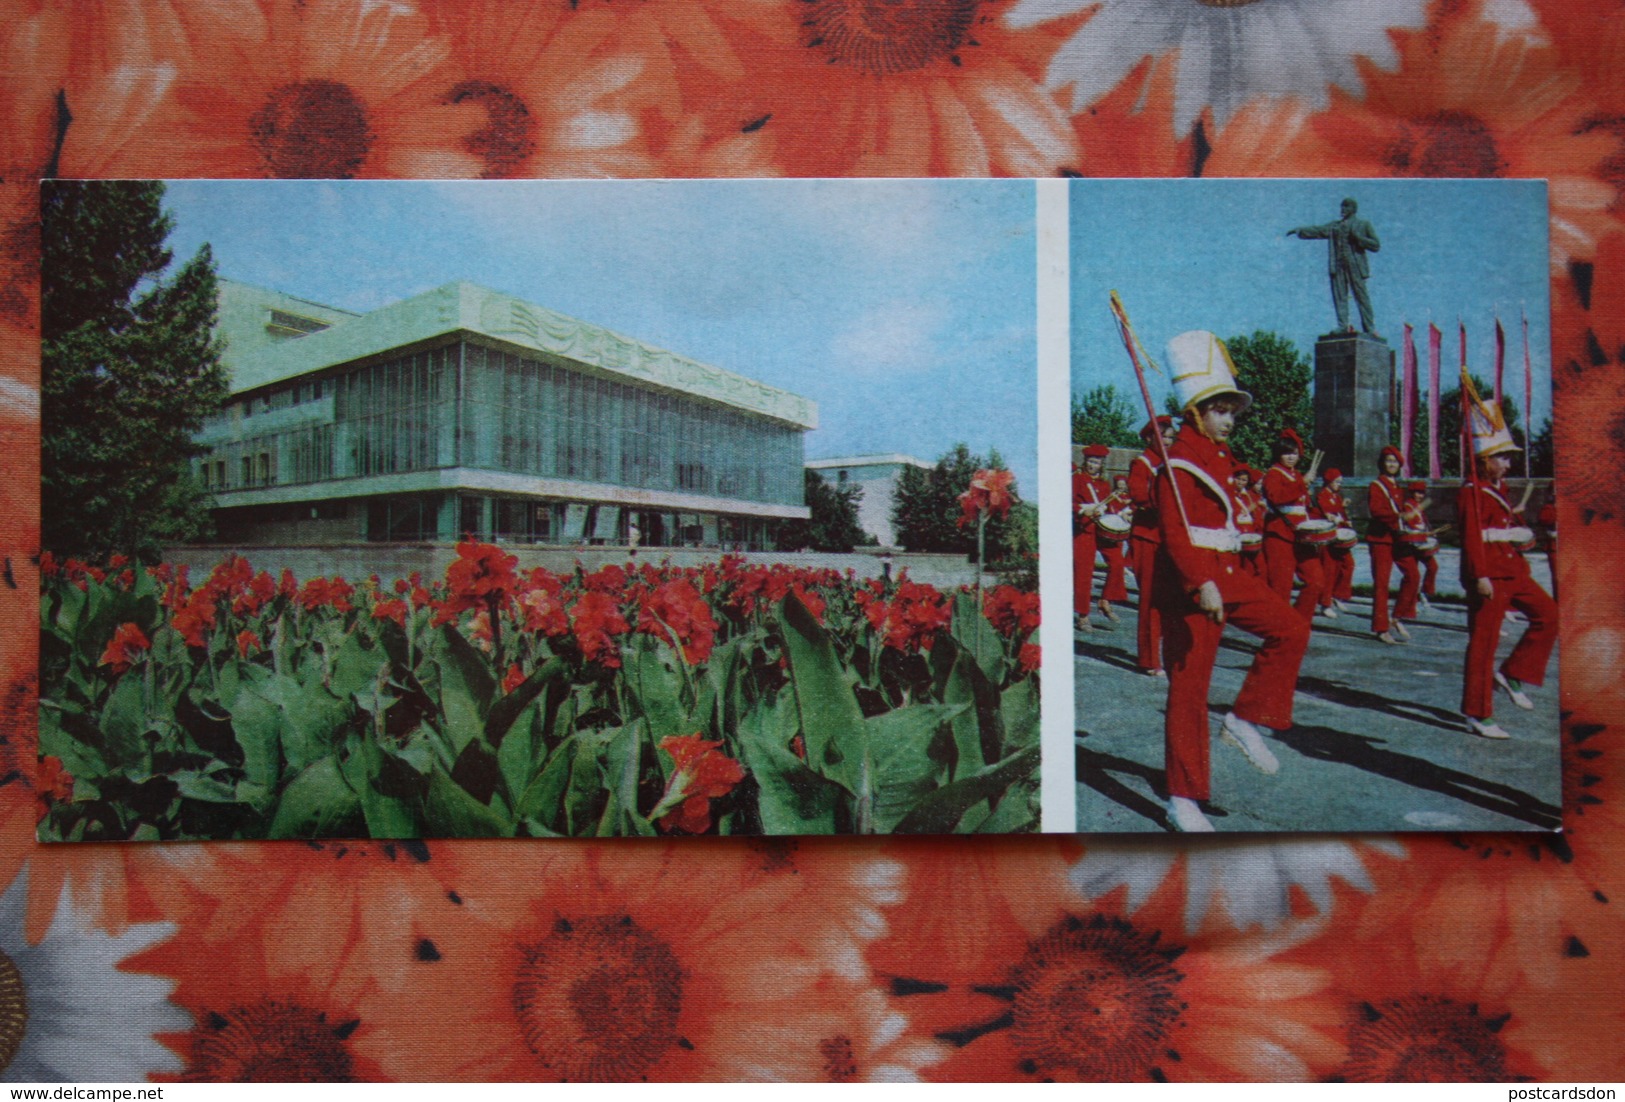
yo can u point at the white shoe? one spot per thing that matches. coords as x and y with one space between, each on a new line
1388 637
1249 740
1187 818
1330 612
1514 689
1399 630
1081 623
1339 605
1484 728
1423 603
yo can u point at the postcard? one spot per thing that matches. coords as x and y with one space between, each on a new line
416 509
1312 496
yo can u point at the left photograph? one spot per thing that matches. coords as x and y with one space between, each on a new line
476 509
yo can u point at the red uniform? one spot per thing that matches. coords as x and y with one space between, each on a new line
1489 533
1209 552
1114 551
1144 537
1287 494
1384 501
1336 563
1412 519
1086 490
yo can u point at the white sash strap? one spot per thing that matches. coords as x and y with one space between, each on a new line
1216 539
1508 535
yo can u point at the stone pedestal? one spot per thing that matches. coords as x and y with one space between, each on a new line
1354 400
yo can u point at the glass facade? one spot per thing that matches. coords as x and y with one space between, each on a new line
465 404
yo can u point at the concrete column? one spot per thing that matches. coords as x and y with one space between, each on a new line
1354 400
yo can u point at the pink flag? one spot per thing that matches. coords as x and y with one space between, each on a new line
1435 343
1407 398
1500 359
1528 397
1461 441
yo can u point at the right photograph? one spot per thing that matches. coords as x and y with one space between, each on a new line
1313 507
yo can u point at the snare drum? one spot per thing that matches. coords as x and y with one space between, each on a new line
1252 542
1428 549
1316 533
1113 527
1414 538
1346 539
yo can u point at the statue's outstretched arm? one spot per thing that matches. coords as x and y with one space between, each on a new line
1310 232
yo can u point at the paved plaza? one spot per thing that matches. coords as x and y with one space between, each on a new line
1379 743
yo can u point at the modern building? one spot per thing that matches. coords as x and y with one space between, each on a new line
876 476
467 411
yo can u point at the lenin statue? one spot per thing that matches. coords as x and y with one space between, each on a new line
1347 241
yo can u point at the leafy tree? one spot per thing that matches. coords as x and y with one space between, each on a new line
925 511
1276 374
1540 452
1103 416
834 522
130 367
1450 432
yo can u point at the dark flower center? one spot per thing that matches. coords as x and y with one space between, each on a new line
598 999
888 36
1449 143
312 128
840 1065
1096 998
13 1011
508 138
1424 1039
271 1042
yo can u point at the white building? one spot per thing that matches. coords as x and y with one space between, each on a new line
877 476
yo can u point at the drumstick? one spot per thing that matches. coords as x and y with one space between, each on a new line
1523 502
1314 465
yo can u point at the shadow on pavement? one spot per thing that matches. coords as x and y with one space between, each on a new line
1338 692
1326 744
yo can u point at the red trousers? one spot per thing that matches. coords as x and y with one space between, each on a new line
1383 560
1430 575
1284 558
1116 563
1338 569
1149 641
1083 572
1191 646
1527 662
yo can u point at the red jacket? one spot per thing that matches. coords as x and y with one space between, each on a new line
1288 495
1202 470
1331 506
1087 490
1142 491
1490 533
1383 502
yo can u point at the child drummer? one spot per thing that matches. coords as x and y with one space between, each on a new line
1089 494
1200 585
1496 577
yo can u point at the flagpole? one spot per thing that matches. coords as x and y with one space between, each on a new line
1131 341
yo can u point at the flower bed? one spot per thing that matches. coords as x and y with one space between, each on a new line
729 698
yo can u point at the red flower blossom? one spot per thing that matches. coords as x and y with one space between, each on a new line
1029 658
392 610
610 579
702 774
543 611
332 593
247 641
910 621
594 619
677 613
989 495
193 617
289 585
54 782
1011 611
259 591
48 567
121 650
514 678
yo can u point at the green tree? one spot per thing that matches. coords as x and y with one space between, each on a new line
926 512
130 367
834 522
1540 452
1276 374
1103 416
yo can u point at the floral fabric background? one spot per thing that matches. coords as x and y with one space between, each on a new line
1468 957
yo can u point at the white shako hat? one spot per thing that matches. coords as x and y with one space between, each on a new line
1490 433
1199 364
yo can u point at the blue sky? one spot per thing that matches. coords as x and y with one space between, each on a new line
905 309
1212 254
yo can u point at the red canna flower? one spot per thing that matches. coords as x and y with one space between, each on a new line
677 613
54 784
989 495
1011 611
331 593
247 641
288 586
544 612
702 773
121 650
480 571
392 610
910 622
1029 657
594 619
48 567
514 678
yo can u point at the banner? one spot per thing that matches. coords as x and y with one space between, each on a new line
1500 359
1435 342
1407 398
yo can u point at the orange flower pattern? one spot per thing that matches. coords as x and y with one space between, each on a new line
1432 958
